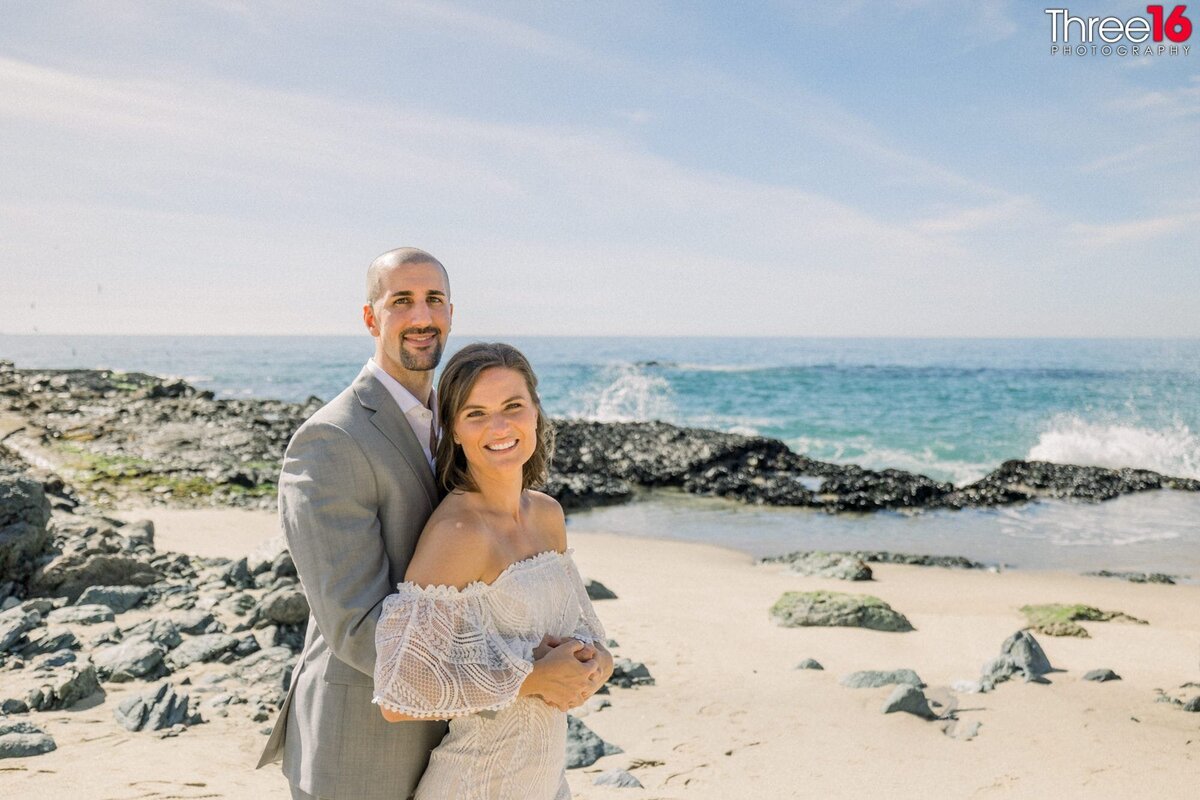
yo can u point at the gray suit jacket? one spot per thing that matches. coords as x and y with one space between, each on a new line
354 494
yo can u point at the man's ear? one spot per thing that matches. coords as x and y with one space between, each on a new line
368 315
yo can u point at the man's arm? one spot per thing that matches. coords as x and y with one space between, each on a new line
328 507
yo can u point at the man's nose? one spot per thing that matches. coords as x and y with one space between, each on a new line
422 315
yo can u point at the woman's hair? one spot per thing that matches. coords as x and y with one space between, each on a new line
458 379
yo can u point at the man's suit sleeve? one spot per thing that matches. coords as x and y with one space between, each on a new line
328 506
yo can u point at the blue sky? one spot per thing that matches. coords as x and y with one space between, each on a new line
907 168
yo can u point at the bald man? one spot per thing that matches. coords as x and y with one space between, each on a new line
356 489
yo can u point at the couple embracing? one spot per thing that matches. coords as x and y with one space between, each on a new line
450 630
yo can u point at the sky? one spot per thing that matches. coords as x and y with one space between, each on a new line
890 168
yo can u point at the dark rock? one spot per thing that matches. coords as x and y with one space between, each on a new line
883 557
14 624
196 621
24 512
119 598
810 663
910 699
619 778
584 747
61 689
49 640
23 739
238 574
156 709
1019 655
80 615
830 565
873 679
1101 675
628 673
1192 705
834 609
69 575
159 630
139 535
1137 577
598 591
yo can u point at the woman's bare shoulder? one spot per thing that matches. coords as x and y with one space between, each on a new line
455 549
550 517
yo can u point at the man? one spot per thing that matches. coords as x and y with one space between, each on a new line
355 491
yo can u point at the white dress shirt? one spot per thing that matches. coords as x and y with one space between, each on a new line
422 420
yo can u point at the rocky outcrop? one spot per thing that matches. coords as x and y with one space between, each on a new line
1058 619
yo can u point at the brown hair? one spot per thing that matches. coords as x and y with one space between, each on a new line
458 379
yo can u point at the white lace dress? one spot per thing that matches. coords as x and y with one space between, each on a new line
462 654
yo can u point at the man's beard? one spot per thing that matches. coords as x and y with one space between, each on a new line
426 360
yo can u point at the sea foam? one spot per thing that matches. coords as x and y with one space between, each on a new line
1069 439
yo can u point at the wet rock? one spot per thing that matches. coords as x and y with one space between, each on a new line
628 673
873 679
119 598
834 609
810 663
80 615
618 778
598 591
883 557
19 739
135 657
206 647
161 707
577 492
584 747
909 699
830 565
1137 577
1101 675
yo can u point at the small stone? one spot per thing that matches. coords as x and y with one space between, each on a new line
1192 705
1101 675
628 673
619 778
873 679
810 663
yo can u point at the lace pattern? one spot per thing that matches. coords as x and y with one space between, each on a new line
442 652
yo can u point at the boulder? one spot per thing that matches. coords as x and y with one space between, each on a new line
286 606
69 575
1058 619
835 609
119 598
14 624
49 640
910 699
584 747
19 739
196 621
873 679
24 512
62 688
1019 655
80 615
160 630
155 709
135 657
830 565
206 647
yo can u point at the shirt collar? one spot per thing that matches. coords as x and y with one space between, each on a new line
403 397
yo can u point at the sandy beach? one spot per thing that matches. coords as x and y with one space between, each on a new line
731 717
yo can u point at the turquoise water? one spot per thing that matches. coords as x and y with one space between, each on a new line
949 408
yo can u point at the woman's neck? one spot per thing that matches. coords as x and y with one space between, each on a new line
501 493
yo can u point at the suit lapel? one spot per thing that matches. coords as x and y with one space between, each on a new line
391 422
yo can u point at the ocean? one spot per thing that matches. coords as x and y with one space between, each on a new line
952 409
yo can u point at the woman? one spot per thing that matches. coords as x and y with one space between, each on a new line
490 589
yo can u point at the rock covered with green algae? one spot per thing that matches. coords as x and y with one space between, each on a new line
1060 619
837 609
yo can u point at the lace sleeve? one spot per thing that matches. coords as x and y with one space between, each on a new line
588 629
439 655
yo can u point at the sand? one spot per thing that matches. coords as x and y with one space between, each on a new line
730 717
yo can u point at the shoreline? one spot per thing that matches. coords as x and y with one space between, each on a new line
729 715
